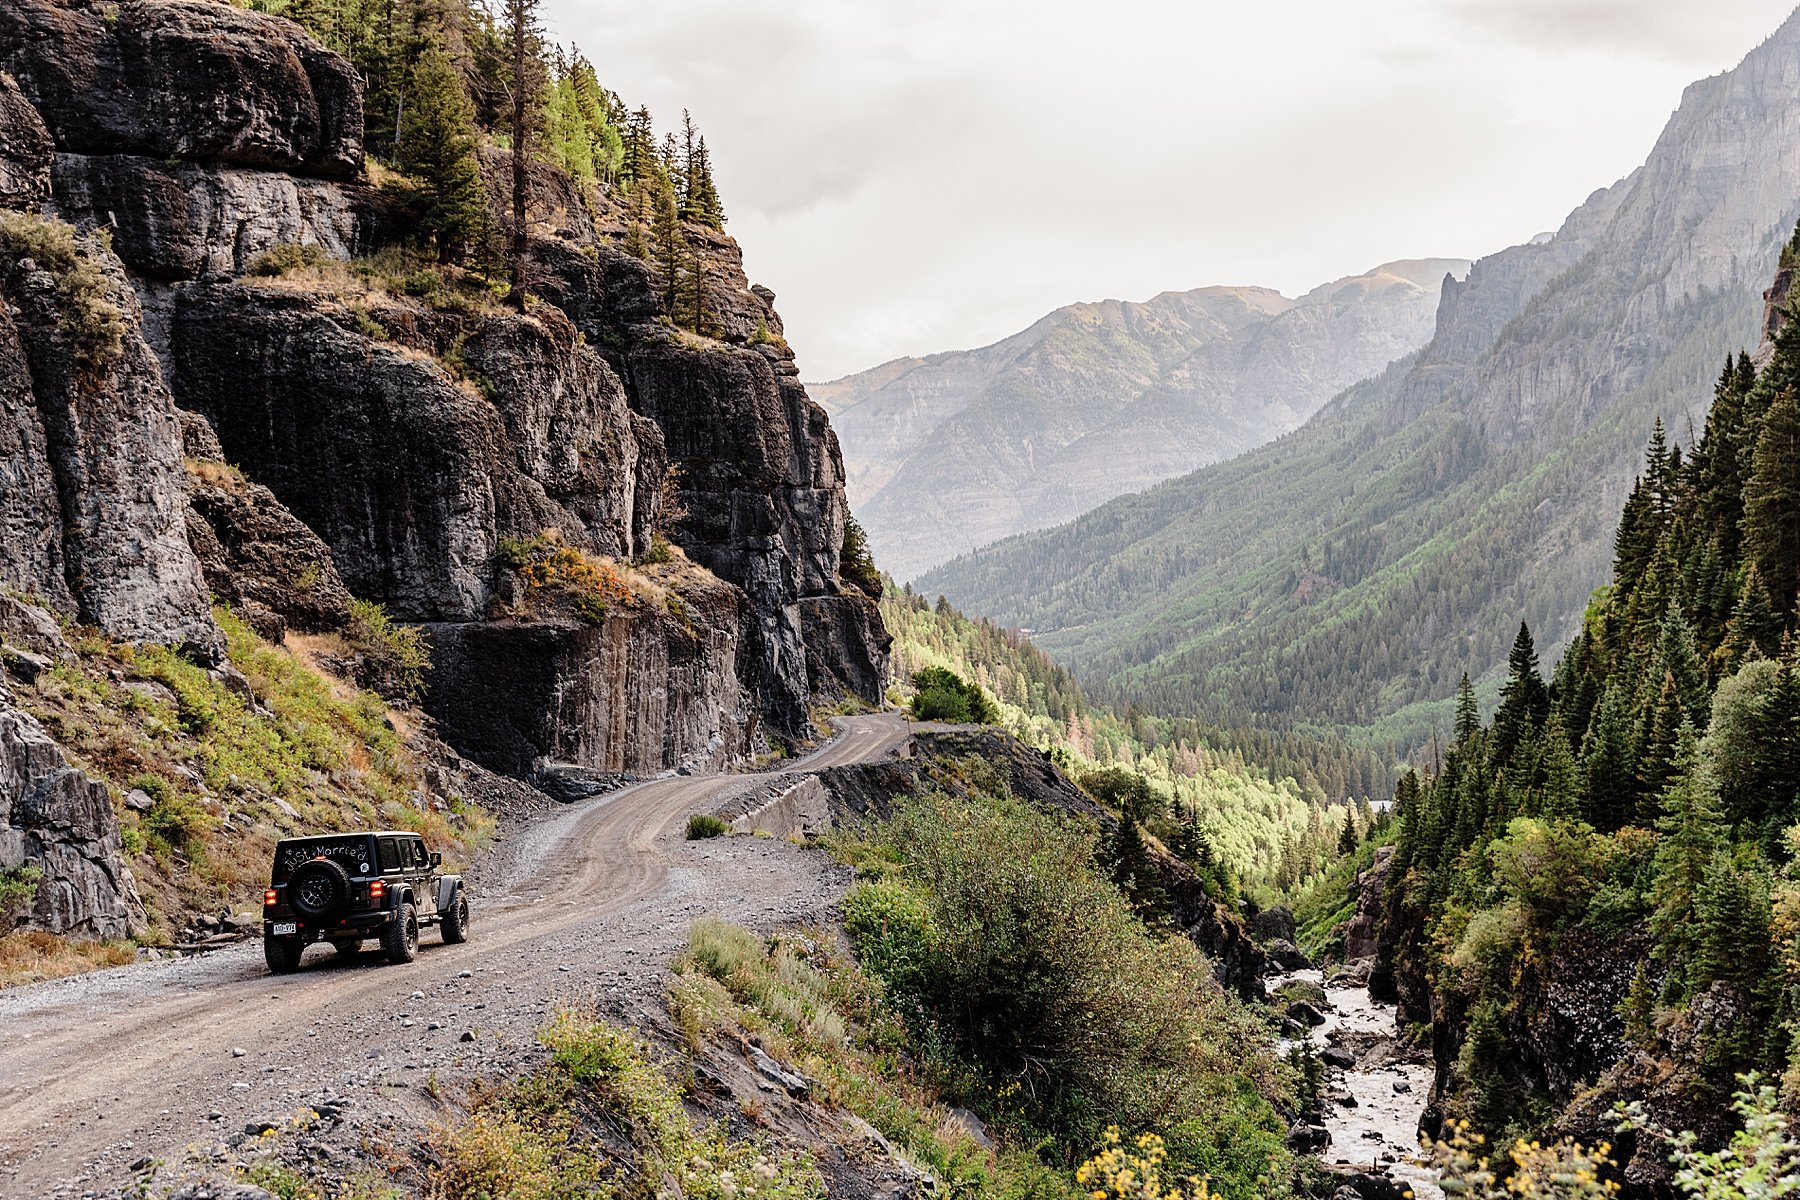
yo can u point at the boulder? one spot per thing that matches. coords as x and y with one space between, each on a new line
1337 1056
1363 1185
1273 923
185 79
1308 1139
1305 1013
58 820
1286 955
25 150
28 627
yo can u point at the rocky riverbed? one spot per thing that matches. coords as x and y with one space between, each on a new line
1375 1086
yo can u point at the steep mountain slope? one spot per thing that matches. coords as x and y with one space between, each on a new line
1360 564
948 452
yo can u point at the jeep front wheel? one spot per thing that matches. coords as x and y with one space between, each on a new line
401 941
282 955
455 923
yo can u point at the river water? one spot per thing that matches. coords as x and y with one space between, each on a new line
1389 1083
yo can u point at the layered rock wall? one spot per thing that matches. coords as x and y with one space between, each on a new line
633 694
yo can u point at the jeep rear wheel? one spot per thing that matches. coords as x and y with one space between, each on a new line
455 923
282 955
401 939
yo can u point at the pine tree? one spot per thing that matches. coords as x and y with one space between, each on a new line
1659 738
1691 827
1754 630
1348 838
1635 541
522 34
1408 803
668 241
1524 700
1679 660
1560 794
1772 503
706 206
437 144
638 159
1609 765
1468 714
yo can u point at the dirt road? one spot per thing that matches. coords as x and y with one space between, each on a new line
168 1061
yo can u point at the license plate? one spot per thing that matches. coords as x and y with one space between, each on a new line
280 927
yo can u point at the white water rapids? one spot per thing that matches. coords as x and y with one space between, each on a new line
1379 1132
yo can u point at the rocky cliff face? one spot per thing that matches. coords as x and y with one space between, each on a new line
285 444
94 518
57 820
958 449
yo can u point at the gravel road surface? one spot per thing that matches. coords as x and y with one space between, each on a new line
104 1075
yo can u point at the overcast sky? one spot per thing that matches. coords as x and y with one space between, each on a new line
920 175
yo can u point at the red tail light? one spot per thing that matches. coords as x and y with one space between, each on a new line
271 898
377 891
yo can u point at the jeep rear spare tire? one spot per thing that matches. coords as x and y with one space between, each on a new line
318 889
401 938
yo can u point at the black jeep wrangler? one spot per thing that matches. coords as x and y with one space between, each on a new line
345 888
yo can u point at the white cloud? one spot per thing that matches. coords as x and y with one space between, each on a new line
915 175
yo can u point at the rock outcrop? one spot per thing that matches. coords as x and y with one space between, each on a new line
176 220
256 555
57 820
25 150
185 79
94 511
1368 889
411 475
633 694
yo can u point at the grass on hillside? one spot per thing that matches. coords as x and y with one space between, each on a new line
225 775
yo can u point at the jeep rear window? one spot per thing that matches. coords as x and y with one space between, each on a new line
350 852
390 856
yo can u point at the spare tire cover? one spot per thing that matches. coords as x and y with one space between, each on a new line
319 888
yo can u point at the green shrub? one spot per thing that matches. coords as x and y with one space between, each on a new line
943 695
705 825
18 892
1066 1007
289 257
398 656
890 925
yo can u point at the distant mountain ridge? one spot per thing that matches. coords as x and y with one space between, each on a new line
947 452
1350 571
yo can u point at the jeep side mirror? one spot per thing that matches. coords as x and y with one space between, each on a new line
437 860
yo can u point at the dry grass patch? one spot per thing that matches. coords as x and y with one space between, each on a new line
30 955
